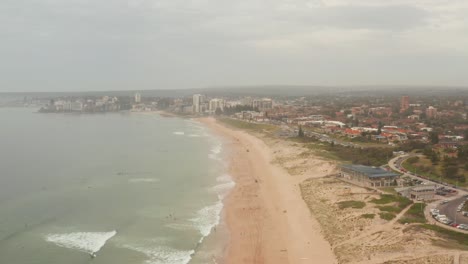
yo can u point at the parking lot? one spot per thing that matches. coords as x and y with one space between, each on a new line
450 209
447 211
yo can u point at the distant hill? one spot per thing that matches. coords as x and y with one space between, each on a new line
263 91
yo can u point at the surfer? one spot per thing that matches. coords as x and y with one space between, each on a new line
93 255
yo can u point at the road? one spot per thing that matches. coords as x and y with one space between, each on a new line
450 210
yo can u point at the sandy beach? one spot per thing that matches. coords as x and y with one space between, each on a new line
267 218
286 208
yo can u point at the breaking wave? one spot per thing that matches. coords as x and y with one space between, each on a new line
88 242
207 218
163 255
215 151
224 187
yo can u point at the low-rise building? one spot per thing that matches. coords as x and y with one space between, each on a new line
422 192
369 176
419 193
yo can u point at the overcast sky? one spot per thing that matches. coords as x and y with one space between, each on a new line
73 45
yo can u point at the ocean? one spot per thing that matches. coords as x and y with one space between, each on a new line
125 187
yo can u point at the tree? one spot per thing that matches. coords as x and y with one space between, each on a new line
355 121
301 132
462 153
450 168
434 137
434 158
413 160
450 171
218 111
379 130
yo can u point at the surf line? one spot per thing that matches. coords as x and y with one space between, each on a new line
88 242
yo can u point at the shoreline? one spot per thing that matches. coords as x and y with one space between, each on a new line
266 216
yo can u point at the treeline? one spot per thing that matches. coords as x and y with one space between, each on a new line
363 156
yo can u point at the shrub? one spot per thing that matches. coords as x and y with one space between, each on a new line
387 216
351 204
368 216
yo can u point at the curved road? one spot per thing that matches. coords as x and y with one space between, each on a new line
449 209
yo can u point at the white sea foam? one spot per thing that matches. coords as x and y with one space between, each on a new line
195 124
224 178
223 189
180 226
215 151
225 185
207 218
194 135
89 242
143 180
179 133
217 148
163 255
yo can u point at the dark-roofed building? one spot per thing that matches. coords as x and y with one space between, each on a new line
369 176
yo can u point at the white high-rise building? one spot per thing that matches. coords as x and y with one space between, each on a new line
263 104
198 100
137 98
215 104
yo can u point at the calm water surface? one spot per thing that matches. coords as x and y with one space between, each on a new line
132 188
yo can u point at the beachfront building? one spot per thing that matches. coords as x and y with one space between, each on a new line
368 176
216 104
198 101
263 104
423 192
419 193
137 98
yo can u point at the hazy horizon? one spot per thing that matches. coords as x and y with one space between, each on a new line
295 90
81 45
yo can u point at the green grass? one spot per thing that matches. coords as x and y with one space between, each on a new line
351 204
388 212
390 190
248 126
461 238
387 216
389 209
401 201
414 215
368 216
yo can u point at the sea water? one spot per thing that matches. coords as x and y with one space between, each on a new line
109 188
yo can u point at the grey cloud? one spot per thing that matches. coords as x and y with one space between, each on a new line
135 44
366 17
